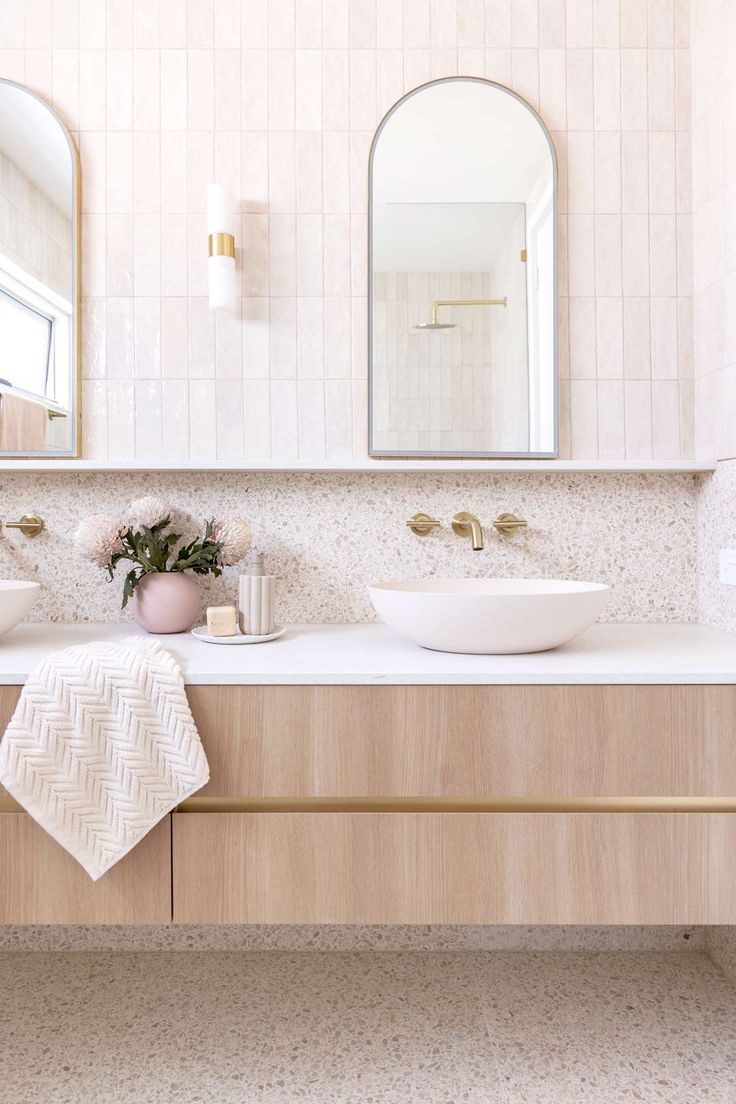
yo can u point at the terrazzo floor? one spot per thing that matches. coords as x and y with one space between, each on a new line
374 1028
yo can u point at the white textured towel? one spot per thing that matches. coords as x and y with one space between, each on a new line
102 746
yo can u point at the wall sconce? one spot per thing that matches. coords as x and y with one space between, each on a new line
221 263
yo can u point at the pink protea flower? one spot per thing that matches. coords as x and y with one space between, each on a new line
234 536
99 538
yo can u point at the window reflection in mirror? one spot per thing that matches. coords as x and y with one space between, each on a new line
38 278
462 284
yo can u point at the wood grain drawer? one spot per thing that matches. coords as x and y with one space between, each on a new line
455 868
40 883
405 741
463 741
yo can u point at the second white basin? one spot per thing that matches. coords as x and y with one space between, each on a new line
16 598
489 616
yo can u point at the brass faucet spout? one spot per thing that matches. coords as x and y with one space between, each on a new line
467 525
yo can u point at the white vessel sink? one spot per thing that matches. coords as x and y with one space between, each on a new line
16 598
489 616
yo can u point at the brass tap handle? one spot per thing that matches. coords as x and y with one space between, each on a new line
422 524
30 525
509 523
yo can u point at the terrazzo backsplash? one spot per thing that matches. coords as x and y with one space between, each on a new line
327 535
716 530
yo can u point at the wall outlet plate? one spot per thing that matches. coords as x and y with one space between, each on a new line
728 566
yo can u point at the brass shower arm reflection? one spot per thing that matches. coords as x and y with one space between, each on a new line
464 303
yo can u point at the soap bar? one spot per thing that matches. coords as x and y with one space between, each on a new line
221 620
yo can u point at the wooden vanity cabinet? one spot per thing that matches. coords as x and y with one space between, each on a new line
359 804
565 745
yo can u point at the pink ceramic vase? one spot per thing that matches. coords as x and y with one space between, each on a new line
166 602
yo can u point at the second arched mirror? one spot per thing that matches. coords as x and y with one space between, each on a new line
462 276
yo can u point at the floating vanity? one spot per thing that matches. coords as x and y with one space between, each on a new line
356 778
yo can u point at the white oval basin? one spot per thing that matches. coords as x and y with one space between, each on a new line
16 598
489 616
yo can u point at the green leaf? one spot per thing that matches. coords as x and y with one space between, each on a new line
131 582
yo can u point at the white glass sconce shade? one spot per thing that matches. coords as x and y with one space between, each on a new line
221 262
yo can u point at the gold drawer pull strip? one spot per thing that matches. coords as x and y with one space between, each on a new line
458 805
443 805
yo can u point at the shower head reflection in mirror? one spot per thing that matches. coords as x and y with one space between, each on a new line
39 279
462 276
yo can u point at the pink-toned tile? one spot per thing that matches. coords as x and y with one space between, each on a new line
580 89
175 428
230 419
582 312
607 89
634 89
579 19
311 413
638 414
584 419
257 421
308 78
611 420
609 338
284 419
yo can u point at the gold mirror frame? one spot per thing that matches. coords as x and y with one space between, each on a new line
76 448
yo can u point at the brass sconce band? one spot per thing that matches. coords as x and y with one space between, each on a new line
221 245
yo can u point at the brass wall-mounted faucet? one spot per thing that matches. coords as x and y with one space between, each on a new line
467 525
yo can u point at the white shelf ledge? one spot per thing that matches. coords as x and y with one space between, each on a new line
377 467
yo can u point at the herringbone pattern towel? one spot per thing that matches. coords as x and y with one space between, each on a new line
102 745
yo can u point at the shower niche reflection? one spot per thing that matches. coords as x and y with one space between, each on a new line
462 276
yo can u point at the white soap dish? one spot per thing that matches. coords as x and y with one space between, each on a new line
240 638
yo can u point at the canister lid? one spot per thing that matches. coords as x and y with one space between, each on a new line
256 563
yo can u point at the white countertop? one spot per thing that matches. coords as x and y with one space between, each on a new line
350 654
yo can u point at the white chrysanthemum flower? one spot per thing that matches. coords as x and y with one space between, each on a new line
234 536
147 512
99 538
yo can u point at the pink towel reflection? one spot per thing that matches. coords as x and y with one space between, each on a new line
22 424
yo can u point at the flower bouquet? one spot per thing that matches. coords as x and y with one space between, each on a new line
164 596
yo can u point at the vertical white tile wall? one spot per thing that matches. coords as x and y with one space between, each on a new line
714 223
280 98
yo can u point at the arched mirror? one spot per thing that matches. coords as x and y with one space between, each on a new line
39 279
462 276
